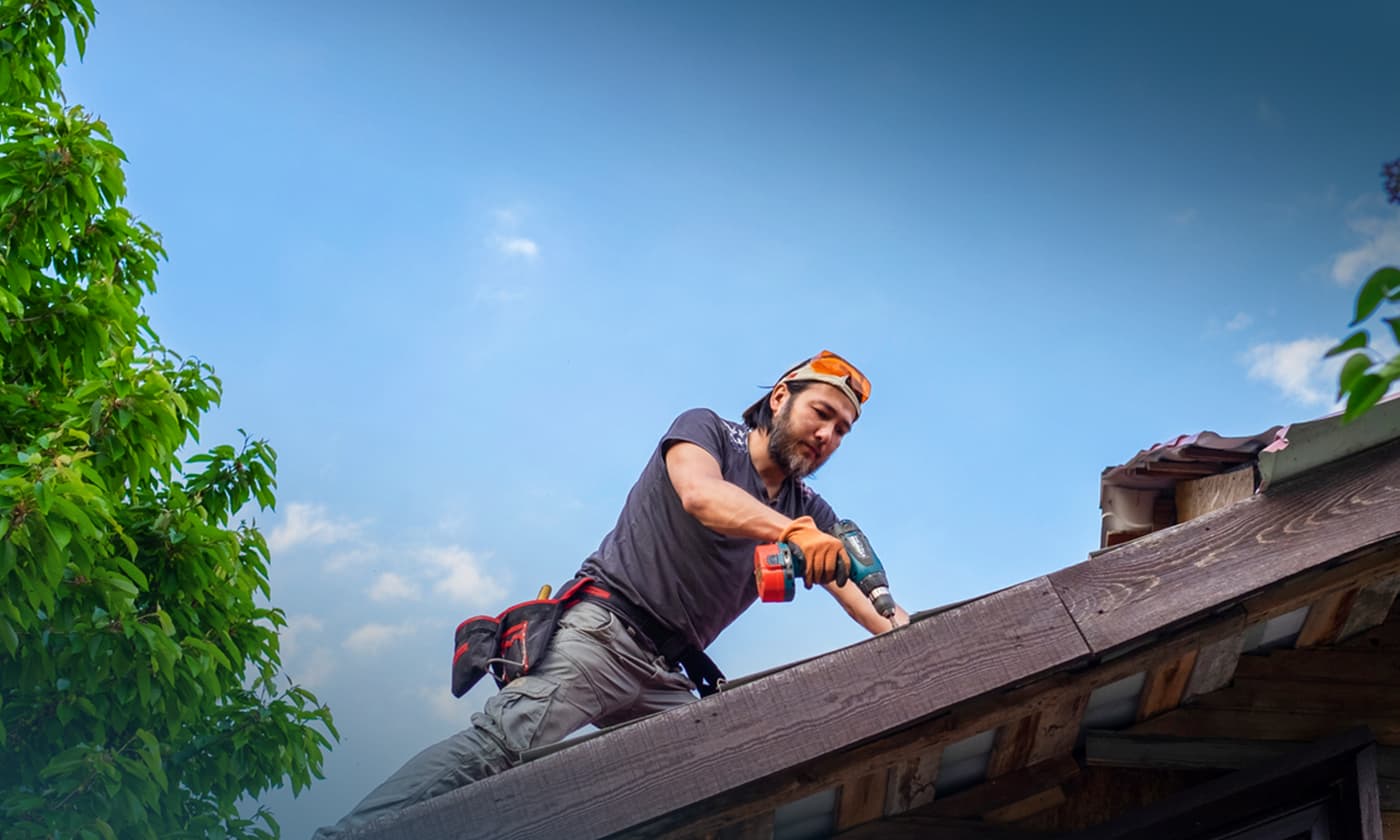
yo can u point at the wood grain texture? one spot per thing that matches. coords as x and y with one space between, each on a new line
1006 790
1200 496
911 783
1219 558
671 760
862 799
1373 603
1215 666
1058 700
1165 685
1361 569
1014 741
1326 618
1058 725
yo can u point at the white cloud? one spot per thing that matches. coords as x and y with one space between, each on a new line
305 665
352 559
461 577
392 587
1297 369
308 523
1184 217
1265 111
518 246
1381 246
298 626
442 704
505 217
1239 322
373 638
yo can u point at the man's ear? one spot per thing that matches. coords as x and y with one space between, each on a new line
779 396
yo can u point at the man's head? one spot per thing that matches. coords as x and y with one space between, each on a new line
809 411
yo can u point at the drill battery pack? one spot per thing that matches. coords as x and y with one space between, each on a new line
509 644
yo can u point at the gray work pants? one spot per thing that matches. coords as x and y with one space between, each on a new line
595 672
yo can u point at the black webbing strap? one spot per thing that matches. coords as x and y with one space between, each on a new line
672 646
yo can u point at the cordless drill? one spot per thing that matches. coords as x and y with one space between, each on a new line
777 565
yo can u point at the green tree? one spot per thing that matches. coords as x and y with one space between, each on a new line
138 663
1367 375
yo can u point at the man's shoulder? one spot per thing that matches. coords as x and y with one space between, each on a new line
735 434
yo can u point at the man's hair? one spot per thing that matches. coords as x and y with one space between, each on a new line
759 416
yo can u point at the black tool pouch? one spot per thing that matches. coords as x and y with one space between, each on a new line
510 644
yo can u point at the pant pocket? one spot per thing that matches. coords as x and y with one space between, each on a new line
519 715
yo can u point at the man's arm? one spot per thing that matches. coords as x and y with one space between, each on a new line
858 607
716 503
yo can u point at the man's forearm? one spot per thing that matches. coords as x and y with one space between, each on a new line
858 607
726 508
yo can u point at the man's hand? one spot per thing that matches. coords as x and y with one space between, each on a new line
823 552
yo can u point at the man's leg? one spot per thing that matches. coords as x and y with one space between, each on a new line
593 670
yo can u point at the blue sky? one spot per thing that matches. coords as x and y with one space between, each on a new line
462 263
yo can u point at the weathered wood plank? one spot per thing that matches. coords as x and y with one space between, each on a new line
1215 666
1100 794
1165 685
1305 697
1334 666
668 761
1315 769
1361 569
1014 742
1059 723
1192 722
759 827
1126 749
1030 806
1056 698
1203 495
911 783
1373 604
1171 576
1003 791
921 828
862 800
1326 618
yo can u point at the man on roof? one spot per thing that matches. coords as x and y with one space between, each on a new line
675 570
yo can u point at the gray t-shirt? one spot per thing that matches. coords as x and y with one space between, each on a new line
693 580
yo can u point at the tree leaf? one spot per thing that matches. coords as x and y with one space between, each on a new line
1376 289
1355 341
1365 392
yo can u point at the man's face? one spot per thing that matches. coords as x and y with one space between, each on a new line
808 427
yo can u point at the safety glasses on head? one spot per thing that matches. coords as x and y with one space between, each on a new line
828 367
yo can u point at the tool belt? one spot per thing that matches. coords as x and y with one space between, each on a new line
508 645
671 646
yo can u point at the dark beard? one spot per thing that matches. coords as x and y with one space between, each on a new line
783 448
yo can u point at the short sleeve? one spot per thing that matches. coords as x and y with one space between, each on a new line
701 427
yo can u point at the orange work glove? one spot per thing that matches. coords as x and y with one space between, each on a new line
823 552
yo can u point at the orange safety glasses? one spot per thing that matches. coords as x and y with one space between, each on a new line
828 363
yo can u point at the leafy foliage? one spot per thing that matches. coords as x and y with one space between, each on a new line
138 693
1366 375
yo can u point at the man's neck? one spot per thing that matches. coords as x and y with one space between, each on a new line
768 469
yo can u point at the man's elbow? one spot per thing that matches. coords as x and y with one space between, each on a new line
695 500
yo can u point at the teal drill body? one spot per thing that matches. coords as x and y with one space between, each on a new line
776 565
867 572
